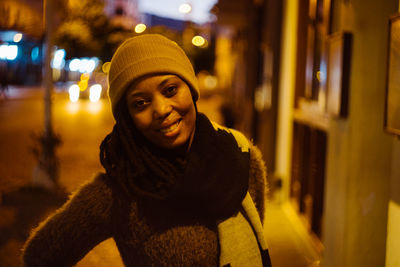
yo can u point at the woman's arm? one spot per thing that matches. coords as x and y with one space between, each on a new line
257 181
73 230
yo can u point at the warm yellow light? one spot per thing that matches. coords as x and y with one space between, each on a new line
198 40
85 76
94 107
106 67
73 107
140 28
210 82
320 76
185 8
17 37
83 85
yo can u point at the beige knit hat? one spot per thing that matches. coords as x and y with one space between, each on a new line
148 54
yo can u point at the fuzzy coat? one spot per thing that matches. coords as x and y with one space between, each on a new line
146 235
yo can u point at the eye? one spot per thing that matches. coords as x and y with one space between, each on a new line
139 104
170 90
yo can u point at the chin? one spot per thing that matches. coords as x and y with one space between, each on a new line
174 144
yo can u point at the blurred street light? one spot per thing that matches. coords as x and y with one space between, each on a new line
185 8
95 92
106 67
17 37
74 92
198 41
8 52
140 28
58 61
83 65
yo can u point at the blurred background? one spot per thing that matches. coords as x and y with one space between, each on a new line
306 80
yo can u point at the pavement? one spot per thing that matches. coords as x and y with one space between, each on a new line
23 206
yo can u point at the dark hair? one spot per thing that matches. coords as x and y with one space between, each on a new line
137 165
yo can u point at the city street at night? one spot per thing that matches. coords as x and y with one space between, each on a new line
313 85
81 127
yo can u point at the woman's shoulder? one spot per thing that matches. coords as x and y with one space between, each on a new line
240 138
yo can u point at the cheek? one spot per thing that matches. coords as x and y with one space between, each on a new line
141 121
186 102
190 118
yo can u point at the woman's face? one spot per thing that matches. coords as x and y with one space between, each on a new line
162 109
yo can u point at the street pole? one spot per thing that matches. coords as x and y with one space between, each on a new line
46 172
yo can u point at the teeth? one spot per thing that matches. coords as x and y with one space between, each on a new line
170 128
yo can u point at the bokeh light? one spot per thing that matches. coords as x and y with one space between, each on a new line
83 65
35 53
106 67
74 92
210 82
140 28
8 52
198 41
17 37
185 8
85 76
58 61
83 84
95 92
74 64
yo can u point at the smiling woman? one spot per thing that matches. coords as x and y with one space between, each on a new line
162 109
178 189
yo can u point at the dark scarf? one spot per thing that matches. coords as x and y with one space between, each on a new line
210 180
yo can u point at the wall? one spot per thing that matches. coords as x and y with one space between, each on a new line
359 159
393 230
286 95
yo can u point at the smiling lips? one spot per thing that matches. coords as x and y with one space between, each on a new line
171 128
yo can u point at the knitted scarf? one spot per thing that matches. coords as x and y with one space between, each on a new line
210 180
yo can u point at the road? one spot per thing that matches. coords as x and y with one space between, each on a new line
81 127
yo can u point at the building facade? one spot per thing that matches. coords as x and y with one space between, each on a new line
320 69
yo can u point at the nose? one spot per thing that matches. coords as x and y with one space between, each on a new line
161 107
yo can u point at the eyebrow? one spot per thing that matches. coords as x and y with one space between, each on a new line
137 94
159 86
166 80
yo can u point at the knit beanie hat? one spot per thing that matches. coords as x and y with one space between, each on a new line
147 54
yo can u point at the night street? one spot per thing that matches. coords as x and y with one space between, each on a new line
81 127
314 85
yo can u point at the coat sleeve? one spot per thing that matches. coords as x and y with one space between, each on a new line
258 180
72 231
